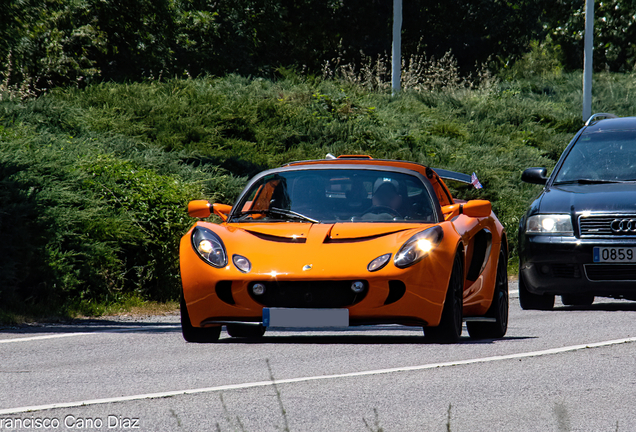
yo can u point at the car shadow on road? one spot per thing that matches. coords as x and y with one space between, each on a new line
92 326
359 340
606 307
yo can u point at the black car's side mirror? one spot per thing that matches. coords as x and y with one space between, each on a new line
535 176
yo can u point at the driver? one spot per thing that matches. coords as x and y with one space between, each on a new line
386 194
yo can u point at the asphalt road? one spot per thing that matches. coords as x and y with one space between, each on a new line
571 369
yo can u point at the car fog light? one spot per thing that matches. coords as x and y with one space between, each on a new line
357 287
258 289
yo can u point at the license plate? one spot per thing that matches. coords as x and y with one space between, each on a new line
614 254
305 318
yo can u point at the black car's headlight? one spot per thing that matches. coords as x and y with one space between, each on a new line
418 246
209 247
550 224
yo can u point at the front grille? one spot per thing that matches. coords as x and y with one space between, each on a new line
308 294
570 271
611 272
601 226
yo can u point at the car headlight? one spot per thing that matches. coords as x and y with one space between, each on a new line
209 247
550 224
418 246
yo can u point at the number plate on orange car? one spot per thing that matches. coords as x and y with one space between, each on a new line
614 254
305 318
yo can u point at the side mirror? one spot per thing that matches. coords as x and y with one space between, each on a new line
472 208
535 176
477 208
202 209
199 209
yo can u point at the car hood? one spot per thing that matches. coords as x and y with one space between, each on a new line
612 197
329 250
329 232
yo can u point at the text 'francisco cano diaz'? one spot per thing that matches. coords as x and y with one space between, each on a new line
69 422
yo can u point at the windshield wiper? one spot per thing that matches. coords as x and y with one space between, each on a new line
280 212
586 181
292 214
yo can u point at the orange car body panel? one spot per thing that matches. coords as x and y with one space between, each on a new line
341 252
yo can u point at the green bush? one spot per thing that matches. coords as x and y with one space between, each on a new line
88 218
95 181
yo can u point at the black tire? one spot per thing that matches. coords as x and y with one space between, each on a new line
577 299
498 309
530 301
245 330
450 326
196 334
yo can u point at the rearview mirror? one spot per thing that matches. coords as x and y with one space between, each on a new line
202 209
535 176
477 208
199 209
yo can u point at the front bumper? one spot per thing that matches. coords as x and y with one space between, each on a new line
564 265
383 302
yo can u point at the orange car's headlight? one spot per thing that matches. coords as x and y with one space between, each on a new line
209 246
418 246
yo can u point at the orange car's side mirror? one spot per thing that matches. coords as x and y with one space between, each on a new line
477 208
199 209
473 208
202 209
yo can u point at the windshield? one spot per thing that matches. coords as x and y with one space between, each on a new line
600 157
336 195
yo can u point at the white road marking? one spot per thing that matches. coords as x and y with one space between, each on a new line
317 378
63 335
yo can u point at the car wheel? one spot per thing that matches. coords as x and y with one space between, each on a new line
450 326
245 331
498 309
577 299
530 301
196 334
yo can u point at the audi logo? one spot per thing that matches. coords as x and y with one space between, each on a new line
619 226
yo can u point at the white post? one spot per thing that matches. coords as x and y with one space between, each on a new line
587 59
396 60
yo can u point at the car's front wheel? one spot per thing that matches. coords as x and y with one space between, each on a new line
498 309
245 330
450 326
530 301
196 334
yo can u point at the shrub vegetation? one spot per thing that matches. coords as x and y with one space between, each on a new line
95 181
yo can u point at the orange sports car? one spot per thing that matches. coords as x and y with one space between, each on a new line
343 242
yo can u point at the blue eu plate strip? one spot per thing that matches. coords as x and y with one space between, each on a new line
265 317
